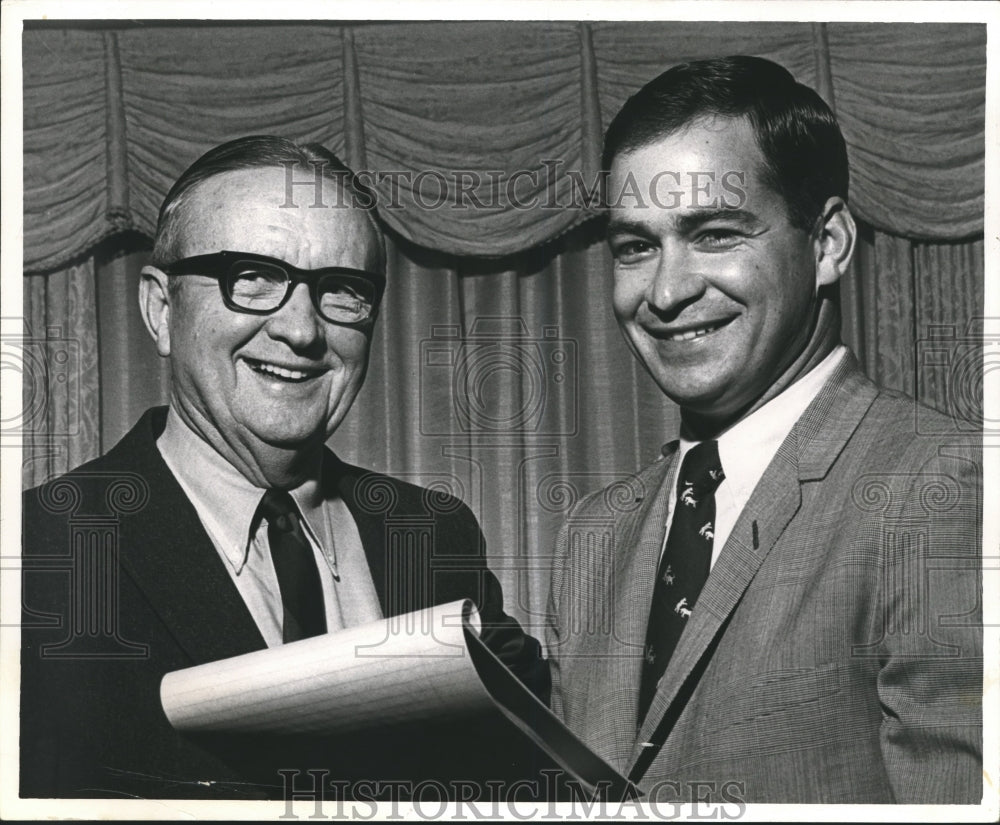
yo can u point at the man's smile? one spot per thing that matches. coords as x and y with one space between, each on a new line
686 332
290 374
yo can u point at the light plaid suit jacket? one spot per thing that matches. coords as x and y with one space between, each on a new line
835 653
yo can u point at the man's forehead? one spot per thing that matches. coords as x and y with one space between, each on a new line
719 132
270 185
247 210
710 163
711 144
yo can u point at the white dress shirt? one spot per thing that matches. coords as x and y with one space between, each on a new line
226 503
746 448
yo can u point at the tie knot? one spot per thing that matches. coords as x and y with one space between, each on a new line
278 507
701 469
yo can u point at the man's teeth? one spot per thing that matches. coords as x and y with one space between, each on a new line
691 333
281 372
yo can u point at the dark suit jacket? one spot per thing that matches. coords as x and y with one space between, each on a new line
835 653
122 585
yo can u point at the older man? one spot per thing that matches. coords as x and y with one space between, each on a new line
221 525
793 596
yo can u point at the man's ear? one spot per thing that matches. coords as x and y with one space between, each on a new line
154 304
834 242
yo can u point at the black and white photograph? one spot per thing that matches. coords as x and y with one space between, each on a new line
529 411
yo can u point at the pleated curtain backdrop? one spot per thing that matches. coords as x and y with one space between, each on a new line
502 379
111 117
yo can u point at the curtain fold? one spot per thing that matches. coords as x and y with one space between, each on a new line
463 124
133 376
950 336
630 54
187 89
118 213
65 147
479 136
912 111
60 420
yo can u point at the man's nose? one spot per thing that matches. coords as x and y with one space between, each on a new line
676 281
297 322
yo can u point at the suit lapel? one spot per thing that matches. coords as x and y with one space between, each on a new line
806 454
165 550
344 480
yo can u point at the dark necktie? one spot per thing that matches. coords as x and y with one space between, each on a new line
685 564
295 564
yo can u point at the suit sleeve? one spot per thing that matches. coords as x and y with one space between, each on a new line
501 633
930 680
553 632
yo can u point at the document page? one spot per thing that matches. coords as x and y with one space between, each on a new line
406 668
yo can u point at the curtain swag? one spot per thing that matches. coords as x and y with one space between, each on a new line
482 139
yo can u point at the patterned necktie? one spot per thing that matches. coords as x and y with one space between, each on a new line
295 564
685 564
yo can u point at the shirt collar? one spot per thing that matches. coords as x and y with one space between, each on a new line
223 497
309 498
746 448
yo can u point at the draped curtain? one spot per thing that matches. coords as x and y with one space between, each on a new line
497 370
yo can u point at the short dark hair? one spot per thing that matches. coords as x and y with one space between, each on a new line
260 152
805 158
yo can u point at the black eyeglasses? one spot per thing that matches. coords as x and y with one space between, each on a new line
259 285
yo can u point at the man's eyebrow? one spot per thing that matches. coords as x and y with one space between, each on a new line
699 217
625 226
688 222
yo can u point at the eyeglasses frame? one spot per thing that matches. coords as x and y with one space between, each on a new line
221 265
